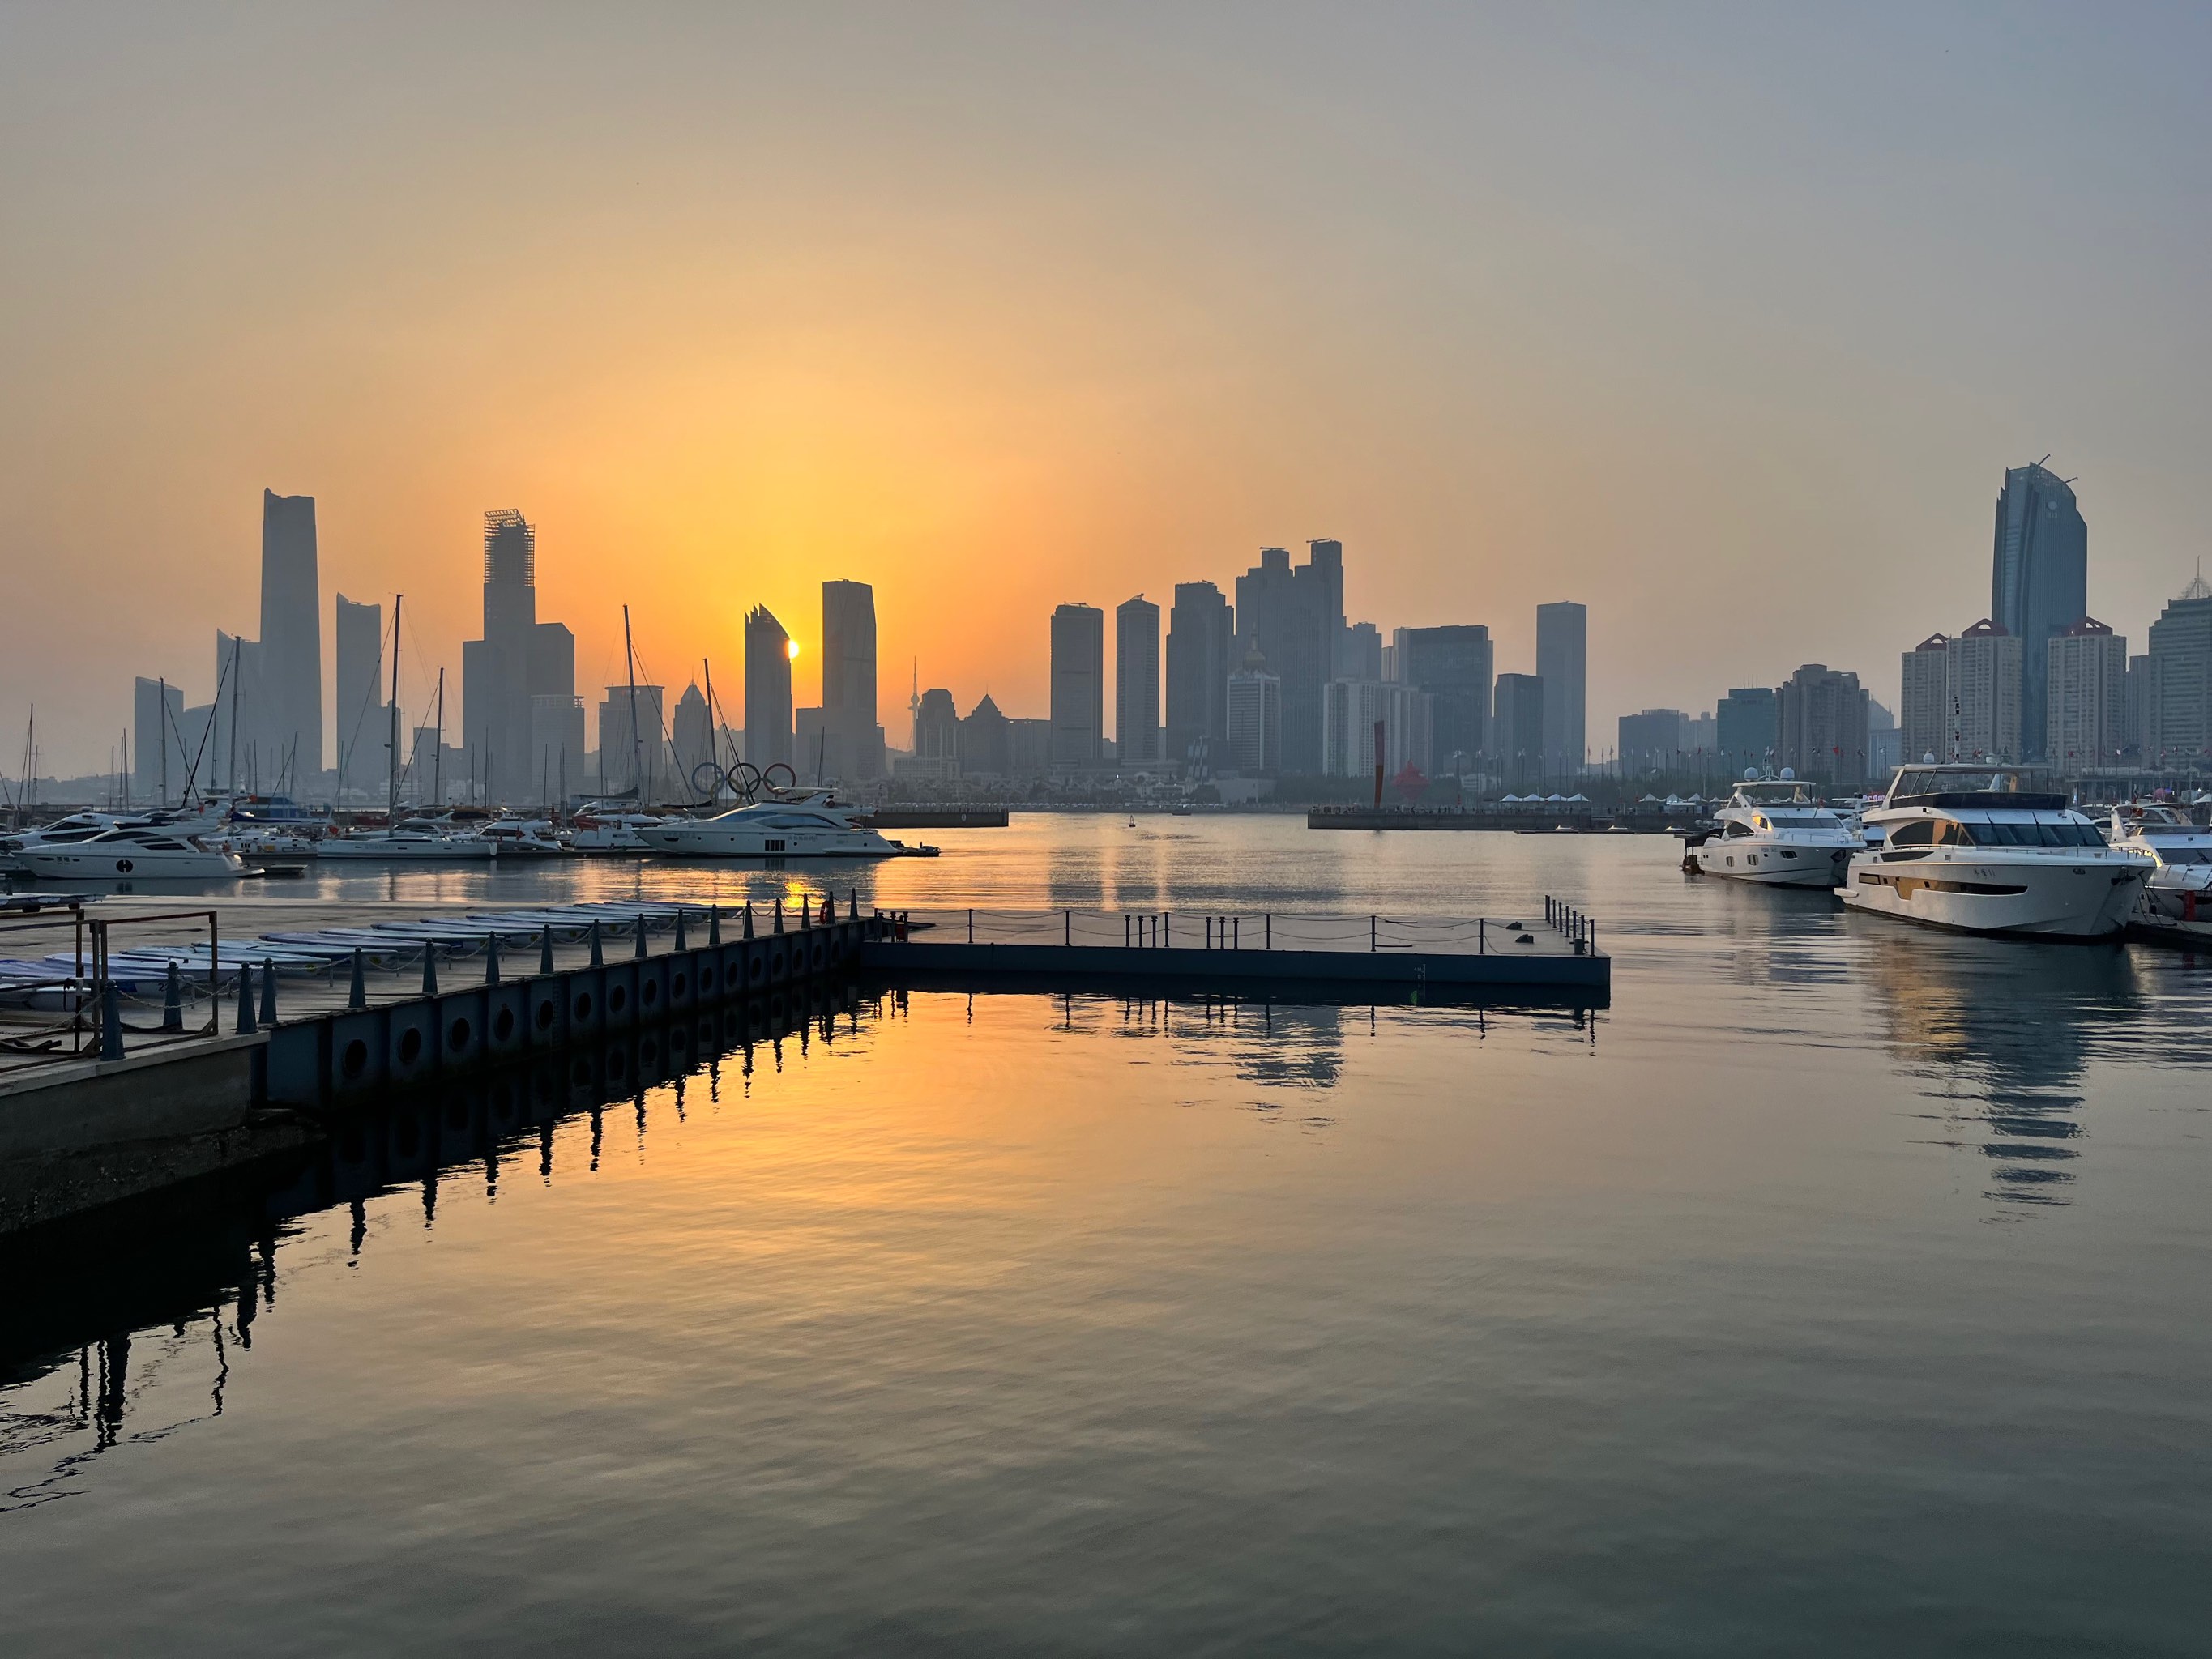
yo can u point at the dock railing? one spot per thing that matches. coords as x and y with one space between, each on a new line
1251 930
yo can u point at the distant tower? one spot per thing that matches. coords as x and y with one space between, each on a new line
768 690
1563 664
1137 682
849 682
2039 580
289 723
1079 681
914 707
364 736
1200 630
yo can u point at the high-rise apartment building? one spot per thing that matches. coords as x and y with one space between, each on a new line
1359 652
1079 685
1652 741
364 730
691 736
854 742
1563 664
2178 694
1351 713
1136 682
1255 743
1984 687
1292 617
1516 728
1821 726
1201 628
2086 681
1745 728
290 725
936 725
1453 663
1924 711
2038 580
632 753
768 690
517 741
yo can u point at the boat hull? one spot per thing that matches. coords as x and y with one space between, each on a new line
1769 866
107 864
404 852
2052 899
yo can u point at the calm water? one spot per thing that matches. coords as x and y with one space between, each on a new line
1842 1287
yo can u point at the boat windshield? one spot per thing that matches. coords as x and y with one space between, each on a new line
2018 786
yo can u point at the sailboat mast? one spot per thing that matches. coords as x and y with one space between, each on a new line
438 754
164 685
636 742
391 801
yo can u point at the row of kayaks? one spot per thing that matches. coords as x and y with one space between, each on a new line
143 971
101 847
1976 849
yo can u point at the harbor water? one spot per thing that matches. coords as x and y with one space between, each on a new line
1841 1287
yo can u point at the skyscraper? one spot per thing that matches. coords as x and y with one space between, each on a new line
692 737
1199 629
1983 681
768 690
2087 677
2039 579
1078 677
1744 727
1924 711
364 732
290 724
937 726
1563 664
1352 709
1822 725
1256 718
2178 696
513 735
854 743
1137 682
1516 741
1292 617
1453 665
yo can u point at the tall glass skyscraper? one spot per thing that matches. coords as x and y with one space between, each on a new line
768 690
290 719
1563 664
1137 682
1199 629
2038 580
849 681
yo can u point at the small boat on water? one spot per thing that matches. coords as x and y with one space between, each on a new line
802 827
2178 897
612 832
1993 849
1775 832
523 838
411 841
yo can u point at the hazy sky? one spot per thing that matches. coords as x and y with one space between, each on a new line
1724 320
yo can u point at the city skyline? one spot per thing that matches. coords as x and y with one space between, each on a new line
1520 319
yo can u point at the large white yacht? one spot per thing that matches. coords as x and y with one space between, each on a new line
1993 849
802 827
611 832
137 850
2178 897
410 840
1775 832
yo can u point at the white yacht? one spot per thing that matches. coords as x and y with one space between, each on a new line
1776 833
410 841
1993 849
612 832
2178 897
803 827
138 850
519 838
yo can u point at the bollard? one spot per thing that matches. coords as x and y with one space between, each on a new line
246 1025
1209 933
598 953
173 1001
430 970
545 949
357 992
713 925
111 1022
749 919
852 904
1481 937
1370 932
779 913
805 913
269 994
491 958
679 947
639 932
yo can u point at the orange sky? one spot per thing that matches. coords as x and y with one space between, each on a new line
1726 327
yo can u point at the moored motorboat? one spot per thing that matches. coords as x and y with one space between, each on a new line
2177 899
808 826
410 841
1775 832
138 851
1993 849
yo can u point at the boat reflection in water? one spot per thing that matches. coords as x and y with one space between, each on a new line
2001 1035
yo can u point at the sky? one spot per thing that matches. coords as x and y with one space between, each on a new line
1724 320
